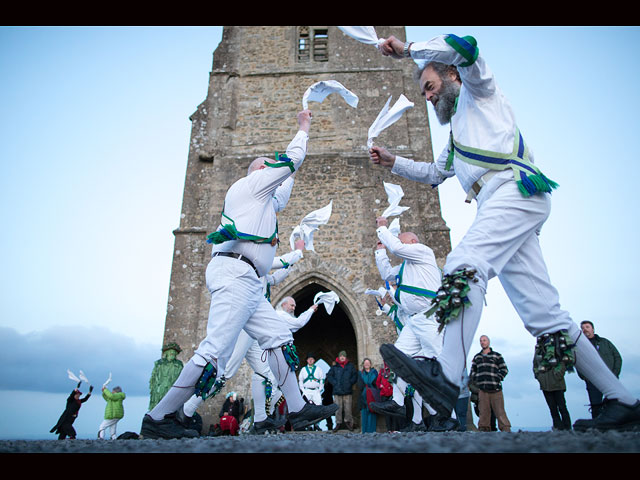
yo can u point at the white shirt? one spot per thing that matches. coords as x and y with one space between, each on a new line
294 323
280 272
484 119
420 269
252 203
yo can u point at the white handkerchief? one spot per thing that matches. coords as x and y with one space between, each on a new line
329 299
309 225
395 194
395 227
72 376
381 292
363 34
107 382
320 90
388 116
83 377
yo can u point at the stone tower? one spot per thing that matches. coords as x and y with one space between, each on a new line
256 85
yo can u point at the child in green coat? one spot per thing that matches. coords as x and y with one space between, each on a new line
113 412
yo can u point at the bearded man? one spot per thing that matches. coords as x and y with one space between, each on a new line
489 156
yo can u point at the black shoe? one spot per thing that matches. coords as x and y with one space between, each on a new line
311 414
613 416
168 427
269 425
441 423
414 427
190 423
425 375
389 408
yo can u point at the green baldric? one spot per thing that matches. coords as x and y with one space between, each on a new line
422 292
228 230
393 313
310 373
529 178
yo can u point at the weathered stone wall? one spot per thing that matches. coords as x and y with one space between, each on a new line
255 91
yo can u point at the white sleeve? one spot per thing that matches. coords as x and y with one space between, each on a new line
278 276
387 272
414 252
423 172
301 321
282 194
264 182
459 51
288 258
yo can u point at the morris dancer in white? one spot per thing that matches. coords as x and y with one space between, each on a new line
416 279
262 379
311 381
243 252
493 164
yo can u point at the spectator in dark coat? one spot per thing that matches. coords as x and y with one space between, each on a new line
64 427
343 376
611 357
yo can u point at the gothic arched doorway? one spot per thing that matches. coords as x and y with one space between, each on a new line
326 334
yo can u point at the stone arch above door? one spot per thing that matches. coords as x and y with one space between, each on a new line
370 333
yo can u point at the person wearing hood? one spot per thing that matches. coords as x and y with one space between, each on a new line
343 376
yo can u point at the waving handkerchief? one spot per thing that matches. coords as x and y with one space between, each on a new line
381 292
363 34
388 116
395 227
72 376
107 382
83 377
309 225
320 90
329 299
395 194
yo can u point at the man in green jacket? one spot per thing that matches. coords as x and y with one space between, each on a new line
611 357
113 412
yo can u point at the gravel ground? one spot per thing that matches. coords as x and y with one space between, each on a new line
322 442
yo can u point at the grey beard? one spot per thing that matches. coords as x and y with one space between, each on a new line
447 101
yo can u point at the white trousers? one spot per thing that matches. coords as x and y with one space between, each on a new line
237 302
420 337
111 425
503 241
314 395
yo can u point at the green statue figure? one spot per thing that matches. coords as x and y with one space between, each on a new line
164 374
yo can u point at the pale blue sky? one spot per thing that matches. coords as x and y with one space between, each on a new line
94 143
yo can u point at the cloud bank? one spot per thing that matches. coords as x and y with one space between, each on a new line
38 361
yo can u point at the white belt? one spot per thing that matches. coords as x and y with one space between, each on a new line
476 187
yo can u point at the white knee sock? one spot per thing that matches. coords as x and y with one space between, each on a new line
590 365
287 381
417 408
259 398
398 391
181 390
458 336
192 405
